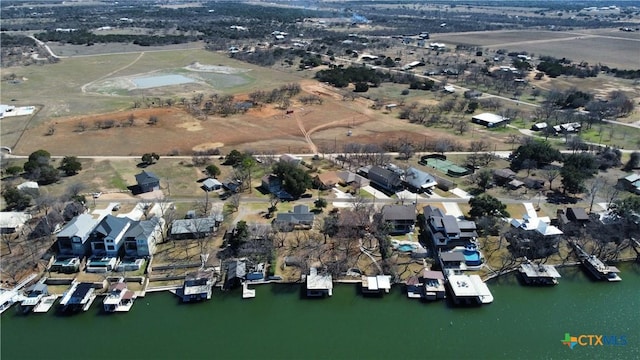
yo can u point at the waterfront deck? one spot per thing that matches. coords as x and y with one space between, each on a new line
318 285
539 274
469 290
45 304
596 267
376 284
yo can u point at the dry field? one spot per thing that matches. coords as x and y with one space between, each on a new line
608 47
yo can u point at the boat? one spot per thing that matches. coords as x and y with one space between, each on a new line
600 270
33 297
45 304
539 274
119 299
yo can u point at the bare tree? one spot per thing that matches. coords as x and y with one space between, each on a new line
234 202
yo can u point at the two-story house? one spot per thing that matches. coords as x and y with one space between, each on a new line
73 238
108 236
446 231
385 179
400 218
142 236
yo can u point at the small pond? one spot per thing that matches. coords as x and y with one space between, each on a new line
161 80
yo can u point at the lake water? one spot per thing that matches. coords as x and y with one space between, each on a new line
522 323
161 80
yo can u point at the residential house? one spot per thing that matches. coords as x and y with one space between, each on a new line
236 273
299 217
327 180
577 214
419 180
385 179
232 186
489 120
630 183
12 221
347 178
196 228
107 237
401 218
273 185
211 185
534 237
446 231
147 181
503 176
142 236
73 238
453 260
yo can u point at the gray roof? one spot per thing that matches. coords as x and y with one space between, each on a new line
418 178
236 269
300 214
111 225
141 229
504 173
384 177
452 256
349 177
398 212
80 226
576 213
193 226
211 183
146 177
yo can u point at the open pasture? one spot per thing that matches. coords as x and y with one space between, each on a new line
608 48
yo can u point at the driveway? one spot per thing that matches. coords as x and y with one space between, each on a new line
376 193
452 208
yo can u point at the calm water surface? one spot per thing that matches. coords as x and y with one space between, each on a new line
522 323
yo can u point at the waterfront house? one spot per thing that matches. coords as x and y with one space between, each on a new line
419 180
446 231
142 236
73 238
300 217
12 221
452 260
318 285
198 286
197 228
147 181
119 298
400 218
236 273
533 237
107 237
385 179
469 290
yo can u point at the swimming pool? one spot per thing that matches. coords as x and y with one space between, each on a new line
406 247
472 257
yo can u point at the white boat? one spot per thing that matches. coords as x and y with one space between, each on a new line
119 299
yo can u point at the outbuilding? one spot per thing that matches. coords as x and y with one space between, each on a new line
489 120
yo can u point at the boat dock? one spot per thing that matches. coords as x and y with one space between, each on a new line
246 292
45 304
9 297
539 274
469 290
596 267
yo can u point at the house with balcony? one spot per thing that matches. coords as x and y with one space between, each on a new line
107 238
400 218
73 238
142 236
446 231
